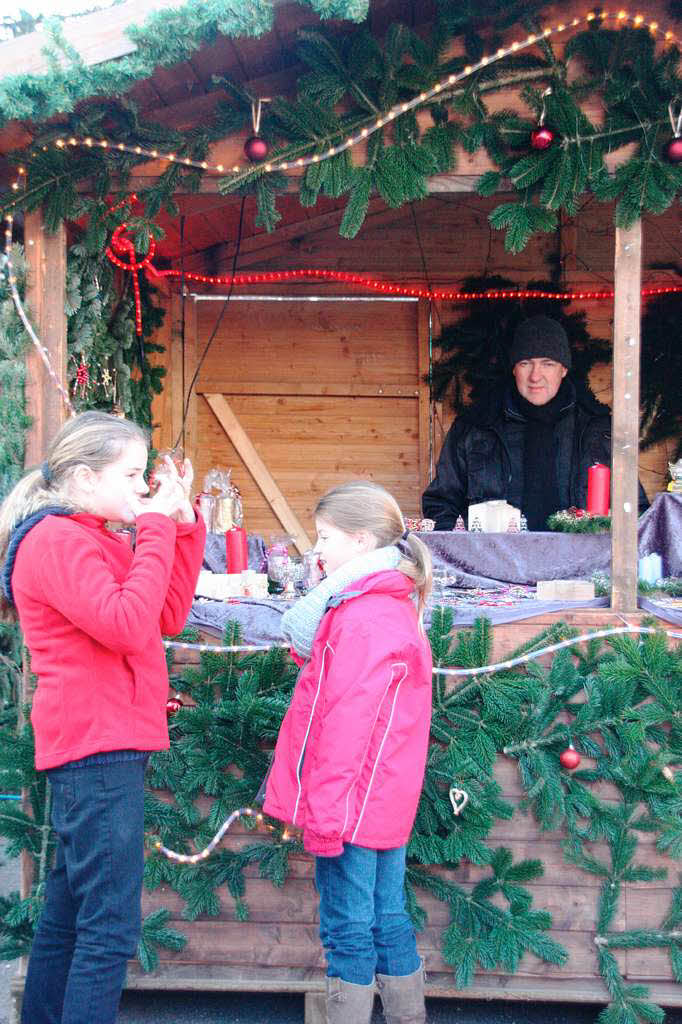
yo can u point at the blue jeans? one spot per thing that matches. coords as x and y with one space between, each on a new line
90 924
364 926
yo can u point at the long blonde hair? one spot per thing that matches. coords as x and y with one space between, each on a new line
93 439
363 505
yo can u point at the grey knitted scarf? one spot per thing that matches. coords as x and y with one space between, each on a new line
299 623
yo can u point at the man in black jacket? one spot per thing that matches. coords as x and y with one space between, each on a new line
531 442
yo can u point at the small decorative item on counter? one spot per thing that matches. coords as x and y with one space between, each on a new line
577 520
459 525
650 568
598 490
565 590
493 516
254 584
523 525
312 571
418 525
221 586
207 510
475 525
278 570
226 507
675 470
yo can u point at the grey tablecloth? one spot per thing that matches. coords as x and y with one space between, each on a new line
477 560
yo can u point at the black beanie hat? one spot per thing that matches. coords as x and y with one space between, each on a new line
540 337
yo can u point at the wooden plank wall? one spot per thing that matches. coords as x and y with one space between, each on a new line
328 391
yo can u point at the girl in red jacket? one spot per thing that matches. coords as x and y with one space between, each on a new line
92 612
350 756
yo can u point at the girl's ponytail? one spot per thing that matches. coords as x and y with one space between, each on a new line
417 565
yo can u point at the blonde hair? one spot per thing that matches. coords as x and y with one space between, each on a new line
362 505
93 439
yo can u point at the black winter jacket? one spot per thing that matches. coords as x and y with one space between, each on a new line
482 455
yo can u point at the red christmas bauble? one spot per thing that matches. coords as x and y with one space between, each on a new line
541 138
255 149
570 758
673 150
173 704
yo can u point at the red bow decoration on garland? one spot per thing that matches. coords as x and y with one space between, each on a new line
121 252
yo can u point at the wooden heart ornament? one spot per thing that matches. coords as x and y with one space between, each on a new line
459 798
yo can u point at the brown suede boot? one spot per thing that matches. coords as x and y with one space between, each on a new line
348 1003
403 997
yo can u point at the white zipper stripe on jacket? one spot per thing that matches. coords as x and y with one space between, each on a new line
362 761
381 747
327 646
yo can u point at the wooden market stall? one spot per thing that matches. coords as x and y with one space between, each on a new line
306 383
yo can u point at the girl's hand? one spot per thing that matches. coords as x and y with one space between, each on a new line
169 497
186 514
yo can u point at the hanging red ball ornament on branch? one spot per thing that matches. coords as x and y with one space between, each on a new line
570 758
173 705
255 149
541 137
673 151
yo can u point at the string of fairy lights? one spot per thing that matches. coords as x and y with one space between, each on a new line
121 250
438 90
458 797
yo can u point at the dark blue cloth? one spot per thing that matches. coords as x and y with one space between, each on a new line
90 924
364 926
16 537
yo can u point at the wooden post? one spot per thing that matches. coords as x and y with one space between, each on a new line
625 443
424 393
45 298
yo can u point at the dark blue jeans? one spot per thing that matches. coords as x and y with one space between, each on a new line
364 926
90 925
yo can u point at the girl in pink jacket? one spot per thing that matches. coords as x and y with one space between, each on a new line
351 753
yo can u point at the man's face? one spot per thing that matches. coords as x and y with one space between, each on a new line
538 380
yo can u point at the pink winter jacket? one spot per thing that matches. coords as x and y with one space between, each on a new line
350 756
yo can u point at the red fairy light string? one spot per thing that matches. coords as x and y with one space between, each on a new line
394 288
121 252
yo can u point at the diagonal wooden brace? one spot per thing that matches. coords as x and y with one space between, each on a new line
259 471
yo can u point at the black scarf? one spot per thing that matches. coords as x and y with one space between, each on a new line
540 484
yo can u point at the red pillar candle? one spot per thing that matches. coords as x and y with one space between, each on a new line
598 489
236 549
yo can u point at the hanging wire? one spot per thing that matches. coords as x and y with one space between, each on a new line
217 323
182 317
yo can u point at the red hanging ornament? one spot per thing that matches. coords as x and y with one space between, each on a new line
173 705
570 758
82 382
673 151
255 147
542 137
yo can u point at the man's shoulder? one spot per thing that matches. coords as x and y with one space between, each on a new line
589 406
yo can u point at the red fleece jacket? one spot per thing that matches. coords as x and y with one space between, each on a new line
93 612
